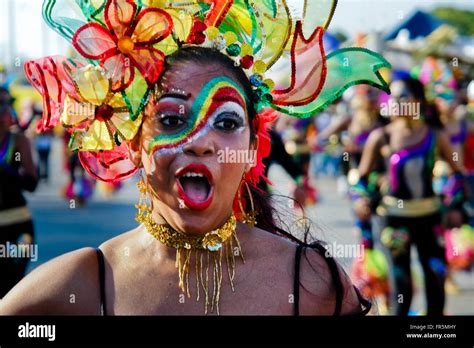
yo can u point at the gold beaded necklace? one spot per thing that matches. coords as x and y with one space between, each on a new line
208 249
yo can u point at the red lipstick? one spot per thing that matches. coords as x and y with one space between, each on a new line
195 186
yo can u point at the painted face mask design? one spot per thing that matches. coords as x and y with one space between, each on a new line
220 102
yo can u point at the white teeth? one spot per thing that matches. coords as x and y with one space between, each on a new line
192 175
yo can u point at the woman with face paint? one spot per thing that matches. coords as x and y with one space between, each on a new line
184 101
410 209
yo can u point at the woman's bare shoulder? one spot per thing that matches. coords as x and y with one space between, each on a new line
319 273
317 290
68 284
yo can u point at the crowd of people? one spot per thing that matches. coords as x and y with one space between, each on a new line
409 176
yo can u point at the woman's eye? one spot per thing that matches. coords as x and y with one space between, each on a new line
171 121
228 122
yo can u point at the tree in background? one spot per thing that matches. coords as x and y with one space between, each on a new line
462 20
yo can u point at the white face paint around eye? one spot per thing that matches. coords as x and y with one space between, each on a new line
229 111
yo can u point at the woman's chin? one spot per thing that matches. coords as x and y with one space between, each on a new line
197 221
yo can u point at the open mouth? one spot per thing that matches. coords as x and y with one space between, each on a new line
195 186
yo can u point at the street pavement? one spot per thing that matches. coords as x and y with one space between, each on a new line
60 228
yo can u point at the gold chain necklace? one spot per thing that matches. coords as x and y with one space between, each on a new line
209 250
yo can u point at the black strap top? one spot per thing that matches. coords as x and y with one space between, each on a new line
103 303
339 288
365 304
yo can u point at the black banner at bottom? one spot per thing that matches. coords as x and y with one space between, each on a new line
44 331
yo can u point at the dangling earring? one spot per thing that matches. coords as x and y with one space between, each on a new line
249 218
143 207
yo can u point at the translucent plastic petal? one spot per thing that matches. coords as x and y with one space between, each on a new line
66 17
136 96
128 128
182 23
119 15
75 113
149 62
120 70
43 76
92 85
317 13
93 41
308 70
345 68
153 25
109 166
97 137
277 25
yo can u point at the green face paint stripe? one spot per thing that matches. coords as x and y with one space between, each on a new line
207 91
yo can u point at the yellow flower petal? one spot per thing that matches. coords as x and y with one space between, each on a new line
127 127
97 138
117 101
75 113
92 84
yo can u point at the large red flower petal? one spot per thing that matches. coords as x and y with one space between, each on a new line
149 61
308 69
153 25
109 166
93 41
119 15
119 69
43 76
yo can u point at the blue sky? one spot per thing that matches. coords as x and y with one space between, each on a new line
366 15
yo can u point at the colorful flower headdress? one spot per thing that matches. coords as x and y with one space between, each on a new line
437 77
124 44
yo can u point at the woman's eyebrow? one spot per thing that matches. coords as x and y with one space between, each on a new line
175 95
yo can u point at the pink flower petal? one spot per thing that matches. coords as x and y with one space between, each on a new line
43 75
109 166
149 61
119 15
119 69
93 41
308 66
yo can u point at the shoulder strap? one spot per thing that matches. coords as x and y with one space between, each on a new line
100 257
296 284
335 277
366 304
334 273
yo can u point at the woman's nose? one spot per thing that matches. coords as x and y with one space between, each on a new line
202 146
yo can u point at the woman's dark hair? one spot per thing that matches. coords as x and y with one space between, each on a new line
429 110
